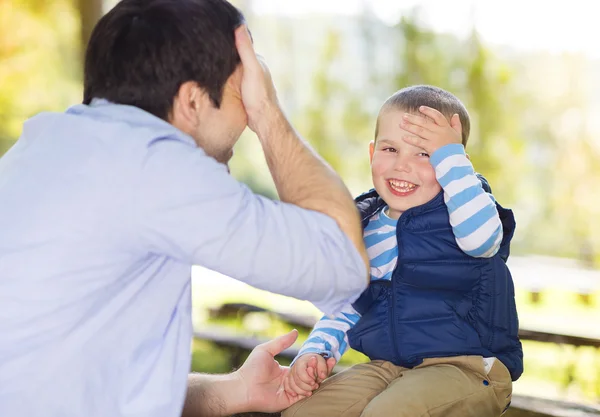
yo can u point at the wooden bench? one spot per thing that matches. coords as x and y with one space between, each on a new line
240 310
237 345
559 339
524 406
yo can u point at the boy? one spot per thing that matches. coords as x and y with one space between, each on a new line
439 321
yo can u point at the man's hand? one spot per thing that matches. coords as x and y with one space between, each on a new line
258 92
263 376
431 132
304 179
308 372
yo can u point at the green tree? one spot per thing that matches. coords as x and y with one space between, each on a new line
39 57
90 11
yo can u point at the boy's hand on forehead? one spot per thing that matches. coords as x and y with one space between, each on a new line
431 129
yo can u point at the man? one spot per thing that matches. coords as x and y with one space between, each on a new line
106 207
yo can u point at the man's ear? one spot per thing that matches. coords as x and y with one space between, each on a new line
188 105
371 150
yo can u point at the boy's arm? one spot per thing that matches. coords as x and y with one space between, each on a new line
329 336
473 213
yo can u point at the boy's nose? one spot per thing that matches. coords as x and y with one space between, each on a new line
402 164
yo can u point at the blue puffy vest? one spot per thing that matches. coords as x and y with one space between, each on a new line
440 302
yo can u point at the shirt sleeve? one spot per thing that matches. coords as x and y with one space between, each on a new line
473 214
189 208
329 336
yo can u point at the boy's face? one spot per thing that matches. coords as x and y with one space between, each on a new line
402 174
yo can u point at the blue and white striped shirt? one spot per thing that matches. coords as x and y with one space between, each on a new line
475 223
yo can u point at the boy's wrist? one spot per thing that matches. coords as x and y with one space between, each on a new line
304 353
324 353
446 151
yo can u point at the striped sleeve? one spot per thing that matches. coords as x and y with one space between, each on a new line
329 336
473 213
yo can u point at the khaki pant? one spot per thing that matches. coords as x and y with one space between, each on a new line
446 387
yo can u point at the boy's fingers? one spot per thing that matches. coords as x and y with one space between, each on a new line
312 366
287 387
322 370
314 382
437 116
413 126
294 385
306 386
416 120
330 364
416 141
307 376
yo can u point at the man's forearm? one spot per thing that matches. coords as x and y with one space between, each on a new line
303 178
213 396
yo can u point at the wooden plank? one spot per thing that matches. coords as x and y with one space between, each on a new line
548 337
525 406
304 322
307 322
225 338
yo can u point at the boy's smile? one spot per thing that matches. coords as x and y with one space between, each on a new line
401 188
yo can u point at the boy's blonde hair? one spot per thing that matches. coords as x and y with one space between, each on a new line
411 98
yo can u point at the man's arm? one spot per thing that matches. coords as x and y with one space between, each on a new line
213 395
189 208
256 386
302 178
473 213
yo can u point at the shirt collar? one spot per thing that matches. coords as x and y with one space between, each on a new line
103 109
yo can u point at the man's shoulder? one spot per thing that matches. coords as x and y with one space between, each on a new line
123 125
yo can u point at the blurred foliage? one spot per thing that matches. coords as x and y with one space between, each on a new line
528 138
39 61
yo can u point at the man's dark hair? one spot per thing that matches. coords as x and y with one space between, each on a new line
411 98
142 51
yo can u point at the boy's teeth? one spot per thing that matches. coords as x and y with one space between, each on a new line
402 185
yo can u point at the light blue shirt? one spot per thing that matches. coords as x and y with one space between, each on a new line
103 211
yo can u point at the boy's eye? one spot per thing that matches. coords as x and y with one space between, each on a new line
423 154
389 150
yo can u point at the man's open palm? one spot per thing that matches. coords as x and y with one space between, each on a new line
264 376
